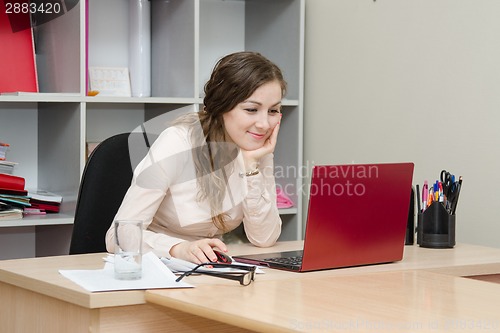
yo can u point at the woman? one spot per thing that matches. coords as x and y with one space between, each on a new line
213 170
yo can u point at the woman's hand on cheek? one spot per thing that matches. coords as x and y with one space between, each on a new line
252 157
199 251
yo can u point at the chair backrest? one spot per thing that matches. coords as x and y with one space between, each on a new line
105 180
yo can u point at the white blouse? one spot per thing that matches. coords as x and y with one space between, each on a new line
164 195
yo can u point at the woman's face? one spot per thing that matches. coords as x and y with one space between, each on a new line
252 121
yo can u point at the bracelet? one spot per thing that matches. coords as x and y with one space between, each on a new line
249 173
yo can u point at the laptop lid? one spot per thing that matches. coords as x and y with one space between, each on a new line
357 216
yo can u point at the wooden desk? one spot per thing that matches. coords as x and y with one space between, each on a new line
424 291
386 302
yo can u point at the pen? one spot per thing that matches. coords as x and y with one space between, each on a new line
441 194
431 197
425 193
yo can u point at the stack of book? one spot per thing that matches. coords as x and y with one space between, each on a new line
13 196
7 167
44 201
16 201
9 212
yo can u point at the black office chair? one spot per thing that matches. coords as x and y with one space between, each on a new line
105 180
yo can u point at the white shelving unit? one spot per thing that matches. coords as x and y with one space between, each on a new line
48 131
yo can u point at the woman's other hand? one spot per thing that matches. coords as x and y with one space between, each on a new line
199 251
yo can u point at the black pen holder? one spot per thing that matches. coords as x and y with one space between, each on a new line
436 227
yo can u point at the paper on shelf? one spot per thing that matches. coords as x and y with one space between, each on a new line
110 81
154 275
42 195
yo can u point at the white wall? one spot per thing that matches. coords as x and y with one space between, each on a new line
412 80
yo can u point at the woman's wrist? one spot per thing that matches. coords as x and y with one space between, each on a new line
250 173
251 169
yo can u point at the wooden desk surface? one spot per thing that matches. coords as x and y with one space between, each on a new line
42 274
384 301
424 292
462 260
423 286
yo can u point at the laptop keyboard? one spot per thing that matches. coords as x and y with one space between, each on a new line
292 261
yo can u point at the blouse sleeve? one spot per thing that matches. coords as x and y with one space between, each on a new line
152 178
261 218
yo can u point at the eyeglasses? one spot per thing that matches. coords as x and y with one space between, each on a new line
245 278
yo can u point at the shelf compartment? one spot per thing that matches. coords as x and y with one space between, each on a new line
45 141
57 48
272 28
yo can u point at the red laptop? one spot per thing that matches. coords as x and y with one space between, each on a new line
357 216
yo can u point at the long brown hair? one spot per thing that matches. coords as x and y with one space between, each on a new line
234 78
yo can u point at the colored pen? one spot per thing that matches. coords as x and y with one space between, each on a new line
441 193
425 193
431 197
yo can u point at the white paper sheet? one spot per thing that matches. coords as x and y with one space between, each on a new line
154 275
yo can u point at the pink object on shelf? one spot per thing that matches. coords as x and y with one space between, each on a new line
282 200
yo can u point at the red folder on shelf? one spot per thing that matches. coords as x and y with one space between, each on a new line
17 55
53 208
12 182
13 192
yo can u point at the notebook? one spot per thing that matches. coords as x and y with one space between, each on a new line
357 216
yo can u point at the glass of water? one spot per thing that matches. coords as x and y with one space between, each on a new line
128 249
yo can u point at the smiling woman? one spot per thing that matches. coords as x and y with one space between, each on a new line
213 170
